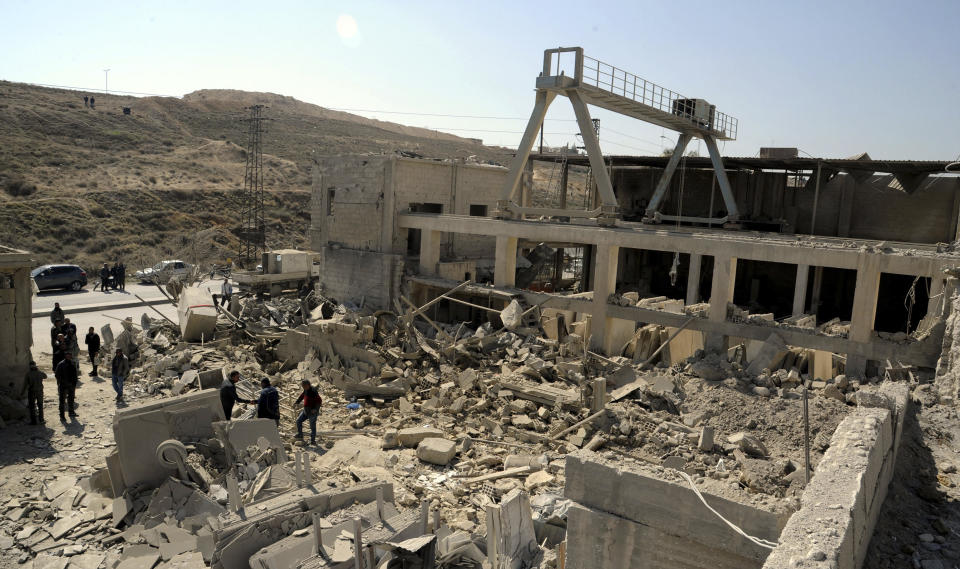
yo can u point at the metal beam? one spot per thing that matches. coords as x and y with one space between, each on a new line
544 98
732 212
664 182
597 165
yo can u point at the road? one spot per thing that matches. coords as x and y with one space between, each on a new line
84 320
43 302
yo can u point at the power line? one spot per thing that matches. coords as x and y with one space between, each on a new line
440 115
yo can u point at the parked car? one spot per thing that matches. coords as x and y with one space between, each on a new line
163 271
70 277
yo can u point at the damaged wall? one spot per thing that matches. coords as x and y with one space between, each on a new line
16 334
933 208
354 204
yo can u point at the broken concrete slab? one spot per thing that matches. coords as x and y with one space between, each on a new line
237 435
138 557
769 356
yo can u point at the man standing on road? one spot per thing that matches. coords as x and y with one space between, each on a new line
67 378
33 389
228 394
57 313
268 404
119 369
311 410
93 348
122 276
104 278
226 291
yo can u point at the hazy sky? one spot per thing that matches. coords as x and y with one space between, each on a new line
833 78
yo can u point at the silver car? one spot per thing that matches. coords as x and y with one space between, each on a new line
163 271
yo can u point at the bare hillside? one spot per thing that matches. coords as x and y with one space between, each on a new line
89 185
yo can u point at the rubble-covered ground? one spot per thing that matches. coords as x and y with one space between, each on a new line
454 417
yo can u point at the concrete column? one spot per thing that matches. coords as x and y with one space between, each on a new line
505 264
604 284
429 251
693 279
937 301
724 277
800 290
815 291
864 309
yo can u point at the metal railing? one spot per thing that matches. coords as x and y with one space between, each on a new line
606 77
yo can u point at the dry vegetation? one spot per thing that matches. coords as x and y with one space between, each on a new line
88 185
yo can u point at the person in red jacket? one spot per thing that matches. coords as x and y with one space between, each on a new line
311 410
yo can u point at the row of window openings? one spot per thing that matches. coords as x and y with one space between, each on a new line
476 210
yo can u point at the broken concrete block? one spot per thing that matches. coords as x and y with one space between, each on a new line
411 437
705 443
833 392
390 439
748 444
436 451
537 479
535 462
197 314
238 435
769 356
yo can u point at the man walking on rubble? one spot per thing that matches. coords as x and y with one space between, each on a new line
228 394
92 341
311 410
33 389
268 404
119 369
67 378
226 291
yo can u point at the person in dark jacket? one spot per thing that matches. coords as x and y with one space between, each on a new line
122 276
311 410
104 278
67 378
228 394
92 341
33 389
69 327
55 331
59 348
57 313
268 404
119 369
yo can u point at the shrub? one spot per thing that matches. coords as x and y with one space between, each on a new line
19 188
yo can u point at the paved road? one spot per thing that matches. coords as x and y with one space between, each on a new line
43 302
41 327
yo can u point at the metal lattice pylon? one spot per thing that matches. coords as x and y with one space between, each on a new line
252 226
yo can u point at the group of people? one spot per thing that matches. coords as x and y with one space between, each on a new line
114 277
89 101
66 368
268 403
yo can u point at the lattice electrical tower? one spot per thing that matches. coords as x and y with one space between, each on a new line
252 227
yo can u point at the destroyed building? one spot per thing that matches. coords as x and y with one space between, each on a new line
710 370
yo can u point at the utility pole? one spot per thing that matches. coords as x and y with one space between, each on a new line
252 226
106 73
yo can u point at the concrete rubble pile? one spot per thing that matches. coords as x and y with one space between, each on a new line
441 445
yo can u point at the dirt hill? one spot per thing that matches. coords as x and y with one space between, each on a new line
88 185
